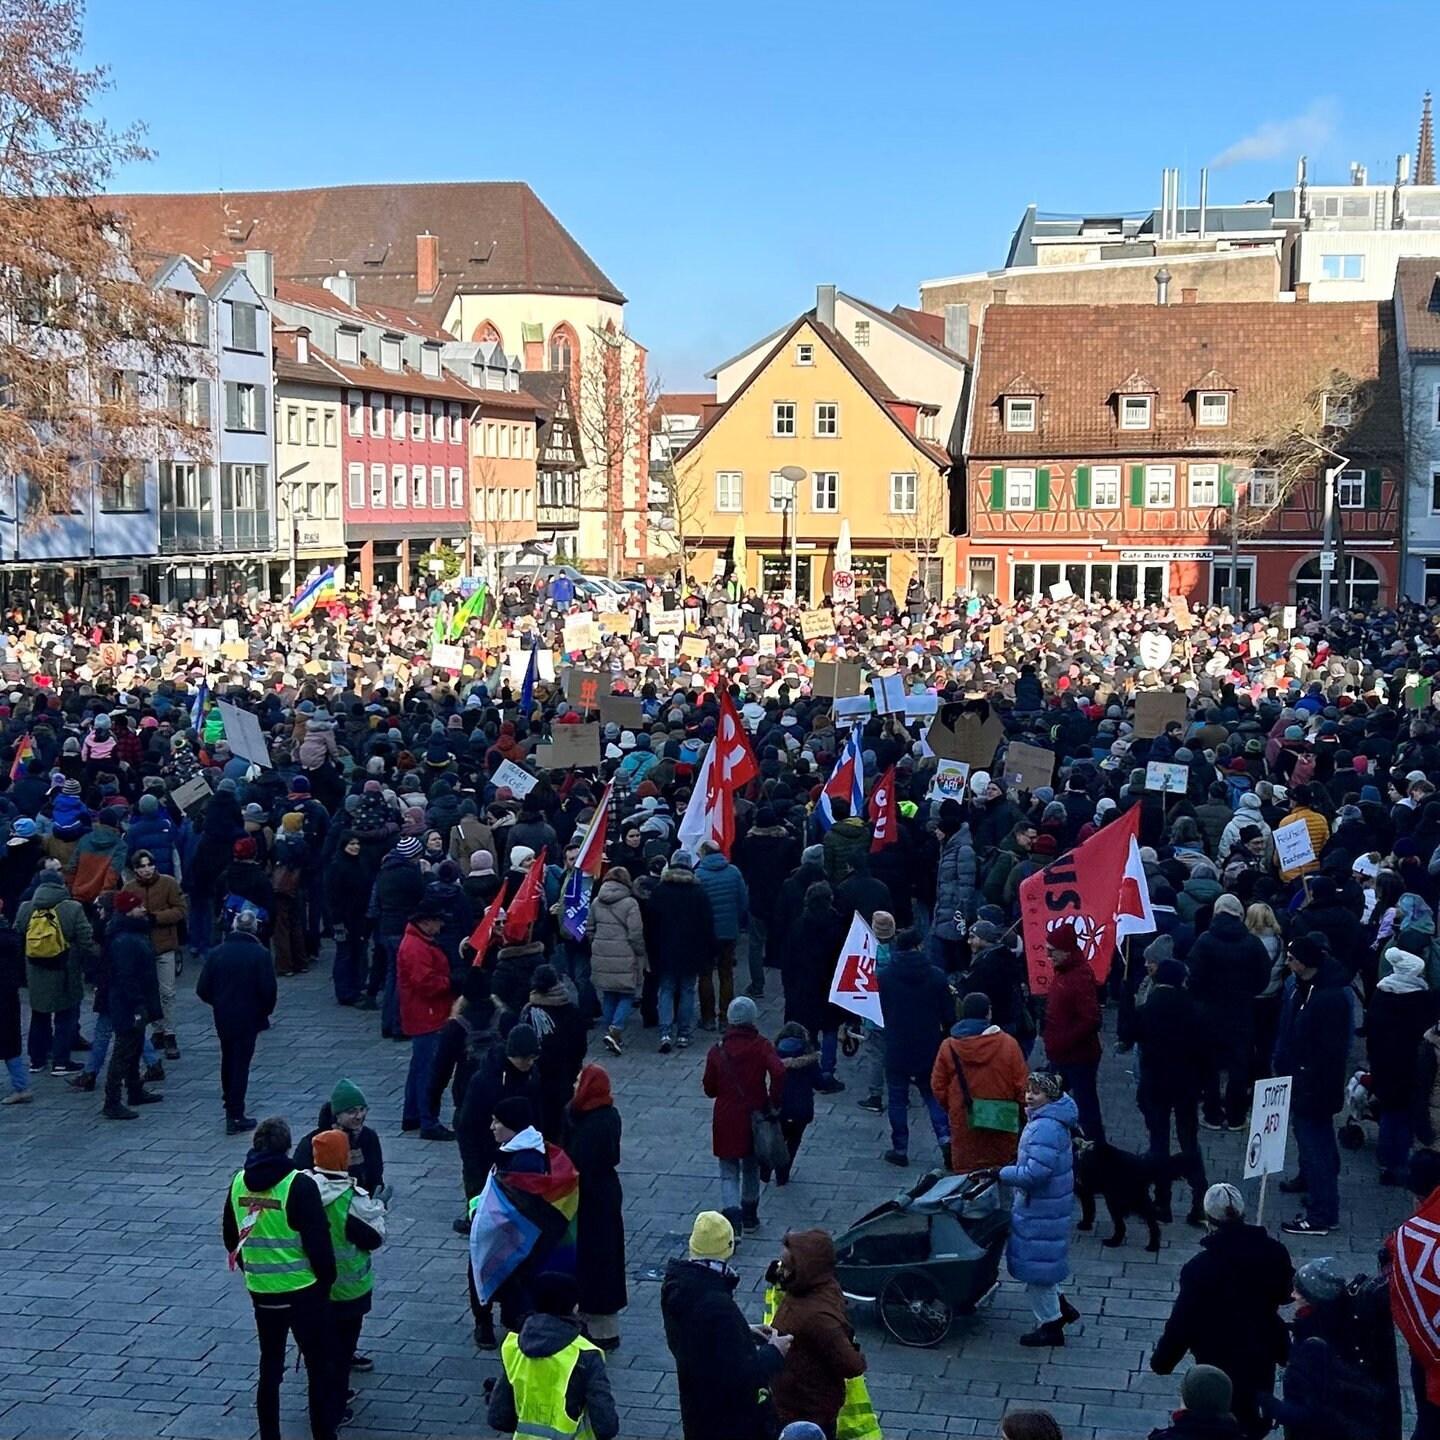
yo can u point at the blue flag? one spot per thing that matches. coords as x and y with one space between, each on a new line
197 710
527 687
575 909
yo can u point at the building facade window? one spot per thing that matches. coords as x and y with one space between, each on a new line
377 413
187 507
244 407
779 492
1019 489
292 424
417 419
827 420
862 334
437 421
327 425
390 352
825 492
1135 412
1263 490
1204 486
1213 408
1159 487
355 483
397 417
244 507
729 490
437 487
1435 492
782 418
457 429
417 485
399 486
332 500
354 413
904 487
347 347
244 326
457 488
1019 413
562 348
1105 487
1350 490
379 493
804 354
1342 267
312 426
122 486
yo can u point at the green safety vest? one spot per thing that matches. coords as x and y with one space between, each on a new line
352 1264
270 1251
540 1386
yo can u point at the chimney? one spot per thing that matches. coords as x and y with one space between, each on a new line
302 345
998 294
1162 286
1204 188
1188 295
825 306
1302 291
427 263
260 267
957 329
341 286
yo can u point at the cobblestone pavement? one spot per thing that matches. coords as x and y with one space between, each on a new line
122 1320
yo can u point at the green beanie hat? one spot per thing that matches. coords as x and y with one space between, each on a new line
346 1096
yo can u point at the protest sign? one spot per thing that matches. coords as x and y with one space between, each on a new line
626 711
205 639
1293 847
766 644
835 680
694 647
574 745
1172 779
405 602
615 622
1269 1127
816 624
1154 710
582 690
230 629
666 646
581 633
1184 620
920 707
852 709
995 640
949 781
666 622
842 585
1155 649
1028 766
192 795
1061 590
242 730
889 693
447 657
970 733
235 650
855 986
520 781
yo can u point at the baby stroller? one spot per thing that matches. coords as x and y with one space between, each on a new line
930 1253
1359 1107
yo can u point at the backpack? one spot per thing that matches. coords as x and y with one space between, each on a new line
235 905
45 941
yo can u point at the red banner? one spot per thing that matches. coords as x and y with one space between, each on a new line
1415 1289
1098 888
525 907
884 812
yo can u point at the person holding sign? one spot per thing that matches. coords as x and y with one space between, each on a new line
1298 854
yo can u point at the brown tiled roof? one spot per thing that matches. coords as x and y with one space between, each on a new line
1081 355
317 297
1417 292
318 370
495 237
930 329
678 402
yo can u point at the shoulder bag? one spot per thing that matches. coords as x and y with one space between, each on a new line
1001 1115
767 1140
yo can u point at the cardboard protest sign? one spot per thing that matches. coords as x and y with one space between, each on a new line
520 781
1293 847
816 624
1028 766
1061 590
625 711
192 795
969 732
235 650
694 647
574 745
889 693
1171 779
582 690
855 986
666 646
766 644
447 657
920 707
666 622
205 639
1154 710
835 680
949 780
995 641
581 633
852 709
1184 620
615 622
1155 649
242 730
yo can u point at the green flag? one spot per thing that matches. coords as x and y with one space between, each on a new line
472 609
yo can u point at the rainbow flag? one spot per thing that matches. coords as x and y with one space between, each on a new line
24 753
323 587
519 1217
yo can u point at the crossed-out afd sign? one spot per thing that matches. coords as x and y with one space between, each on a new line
856 986
1269 1125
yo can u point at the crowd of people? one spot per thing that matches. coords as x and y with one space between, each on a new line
211 783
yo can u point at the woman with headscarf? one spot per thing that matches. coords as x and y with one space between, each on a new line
592 1141
1401 1010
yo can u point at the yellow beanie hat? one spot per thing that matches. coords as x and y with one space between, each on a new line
713 1237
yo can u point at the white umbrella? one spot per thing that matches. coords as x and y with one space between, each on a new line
842 547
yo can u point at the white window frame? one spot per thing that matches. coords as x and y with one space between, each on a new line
457 487
1019 489
910 490
379 487
377 413
355 479
419 478
1263 489
1199 480
804 353
327 426
827 419
1220 398
925 424
417 419
399 487
1159 475
1110 477
728 500
1139 420
312 426
1341 266
292 424
828 502
782 424
437 487
430 361
1016 408
391 353
457 432
862 334
355 412
1338 410
1350 483
347 347
398 420
779 493
437 421
1434 489
332 500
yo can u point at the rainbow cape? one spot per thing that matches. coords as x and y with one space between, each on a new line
521 1217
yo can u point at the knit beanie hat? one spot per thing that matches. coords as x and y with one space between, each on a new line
882 922
346 1095
742 1011
522 1042
292 823
1047 1083
975 1006
1206 1390
712 1237
243 849
1224 1202
514 1112
482 862
148 804
1159 950
331 1150
407 847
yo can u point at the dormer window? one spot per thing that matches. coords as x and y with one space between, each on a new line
1135 412
1020 413
389 352
347 347
1339 409
804 354
1212 407
430 361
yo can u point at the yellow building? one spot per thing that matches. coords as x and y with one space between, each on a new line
871 460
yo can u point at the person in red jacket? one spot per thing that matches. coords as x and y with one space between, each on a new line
423 982
1072 1026
743 1074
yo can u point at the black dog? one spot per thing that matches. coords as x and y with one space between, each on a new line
1124 1181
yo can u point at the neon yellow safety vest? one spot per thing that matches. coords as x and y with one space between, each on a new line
856 1420
540 1386
270 1251
353 1277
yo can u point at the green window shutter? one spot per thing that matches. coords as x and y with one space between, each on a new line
1137 485
1372 489
1082 487
1042 489
997 488
1227 485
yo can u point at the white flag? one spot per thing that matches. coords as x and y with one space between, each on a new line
856 986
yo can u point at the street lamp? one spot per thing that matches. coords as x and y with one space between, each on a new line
793 476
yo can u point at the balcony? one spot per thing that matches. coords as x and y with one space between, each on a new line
192 532
557 517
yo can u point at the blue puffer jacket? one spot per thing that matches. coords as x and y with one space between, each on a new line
155 833
955 883
1044 1179
728 894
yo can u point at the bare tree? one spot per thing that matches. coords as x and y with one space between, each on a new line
83 337
613 408
679 491
921 532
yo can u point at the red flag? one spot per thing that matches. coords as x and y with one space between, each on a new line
1415 1287
592 847
485 927
525 907
1098 888
884 812
738 765
729 763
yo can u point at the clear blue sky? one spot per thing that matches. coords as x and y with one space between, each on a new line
720 160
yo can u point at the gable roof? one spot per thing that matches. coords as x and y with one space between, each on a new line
494 237
916 324
860 370
1417 293
1081 355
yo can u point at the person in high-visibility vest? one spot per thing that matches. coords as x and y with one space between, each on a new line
554 1384
357 1226
278 1235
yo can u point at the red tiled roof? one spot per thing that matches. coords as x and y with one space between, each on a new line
495 236
317 297
1081 356
1417 293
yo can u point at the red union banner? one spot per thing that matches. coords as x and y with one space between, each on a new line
1099 888
856 986
884 812
1415 1289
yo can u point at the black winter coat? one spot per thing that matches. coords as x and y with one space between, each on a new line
679 926
347 893
996 972
237 981
494 1080
1341 928
765 857
918 1009
399 888
1229 967
1394 1024
809 950
720 1367
592 1142
128 989
1314 1041
1172 1043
